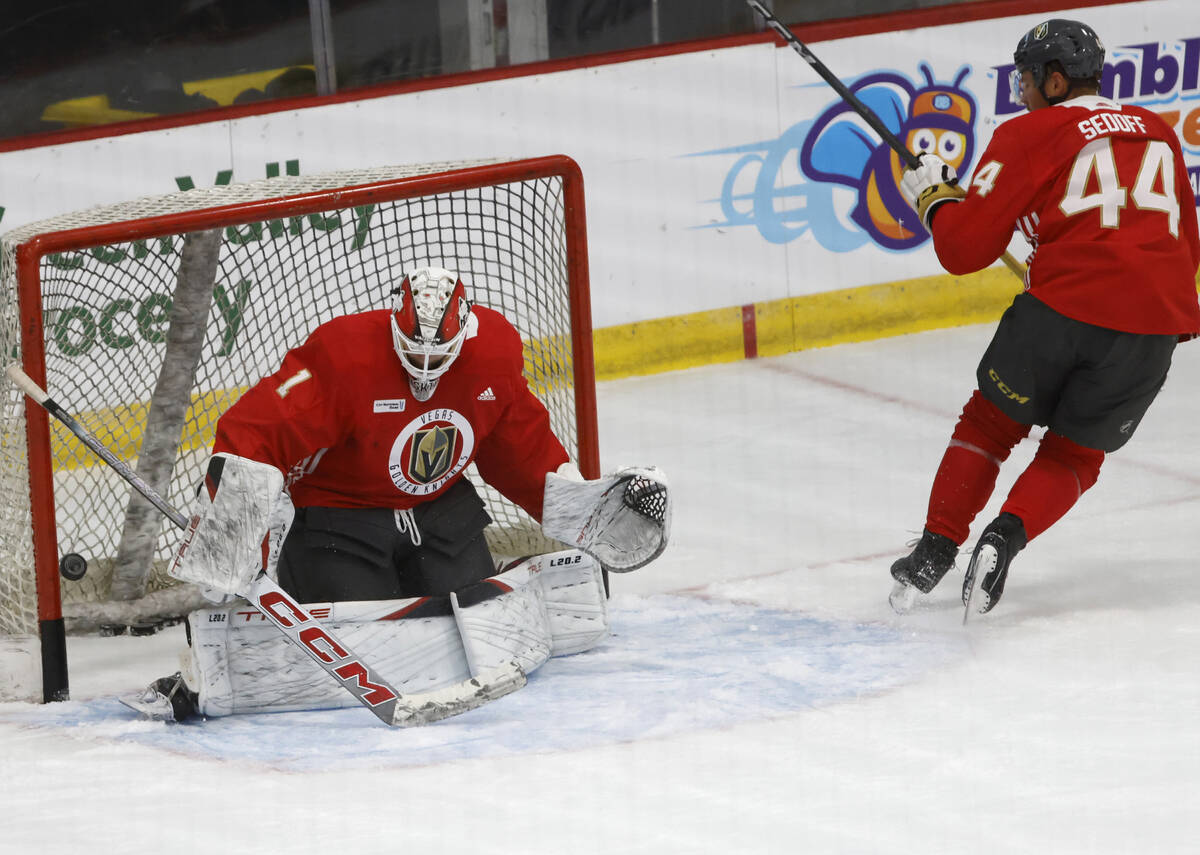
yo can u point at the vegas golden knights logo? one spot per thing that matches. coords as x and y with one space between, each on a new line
432 453
431 450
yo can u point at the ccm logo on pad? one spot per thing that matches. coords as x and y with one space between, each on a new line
291 617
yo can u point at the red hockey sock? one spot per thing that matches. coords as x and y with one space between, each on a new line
1059 474
982 440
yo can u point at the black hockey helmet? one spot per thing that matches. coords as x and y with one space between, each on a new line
1074 45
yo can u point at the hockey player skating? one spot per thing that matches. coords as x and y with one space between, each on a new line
369 426
1101 192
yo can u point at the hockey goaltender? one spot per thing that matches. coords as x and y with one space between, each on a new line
341 475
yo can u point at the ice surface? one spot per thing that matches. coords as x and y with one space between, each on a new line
757 695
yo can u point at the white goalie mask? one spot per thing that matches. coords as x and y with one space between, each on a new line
430 311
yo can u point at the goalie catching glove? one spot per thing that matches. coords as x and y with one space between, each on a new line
622 519
933 183
227 543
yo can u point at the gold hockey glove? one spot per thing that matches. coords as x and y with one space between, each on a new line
931 184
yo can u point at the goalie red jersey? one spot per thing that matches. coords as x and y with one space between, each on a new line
1099 189
340 420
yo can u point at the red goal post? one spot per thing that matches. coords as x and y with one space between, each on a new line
147 319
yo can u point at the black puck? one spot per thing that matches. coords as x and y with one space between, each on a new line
73 566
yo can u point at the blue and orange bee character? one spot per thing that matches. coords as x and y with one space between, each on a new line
842 148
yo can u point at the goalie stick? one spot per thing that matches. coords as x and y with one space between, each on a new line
868 115
300 627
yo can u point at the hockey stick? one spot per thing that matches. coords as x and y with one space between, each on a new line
300 627
868 115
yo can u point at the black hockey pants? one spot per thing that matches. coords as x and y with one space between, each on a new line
338 554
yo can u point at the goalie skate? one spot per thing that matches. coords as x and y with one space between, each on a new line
166 699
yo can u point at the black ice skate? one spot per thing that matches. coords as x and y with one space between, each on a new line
166 699
922 569
998 545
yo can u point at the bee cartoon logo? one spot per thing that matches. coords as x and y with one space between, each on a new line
785 187
841 148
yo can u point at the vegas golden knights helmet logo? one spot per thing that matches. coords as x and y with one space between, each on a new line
432 453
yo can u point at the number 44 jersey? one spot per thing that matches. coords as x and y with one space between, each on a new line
1102 193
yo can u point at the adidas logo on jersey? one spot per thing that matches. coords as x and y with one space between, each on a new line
487 395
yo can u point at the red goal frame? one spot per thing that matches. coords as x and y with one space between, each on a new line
30 253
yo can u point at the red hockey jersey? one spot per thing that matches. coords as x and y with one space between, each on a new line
1102 193
339 420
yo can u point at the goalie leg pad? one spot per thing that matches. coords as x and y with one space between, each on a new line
576 603
546 605
239 663
510 627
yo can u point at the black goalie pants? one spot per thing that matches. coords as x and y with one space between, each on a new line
339 554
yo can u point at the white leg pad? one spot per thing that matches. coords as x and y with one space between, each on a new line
576 604
549 605
505 628
239 663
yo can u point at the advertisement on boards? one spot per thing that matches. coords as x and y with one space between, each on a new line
826 187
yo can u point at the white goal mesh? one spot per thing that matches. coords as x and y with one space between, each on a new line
156 314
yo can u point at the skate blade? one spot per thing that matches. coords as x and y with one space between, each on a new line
903 598
982 563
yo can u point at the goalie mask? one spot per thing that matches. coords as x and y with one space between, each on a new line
429 323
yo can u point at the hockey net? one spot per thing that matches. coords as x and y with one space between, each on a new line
147 319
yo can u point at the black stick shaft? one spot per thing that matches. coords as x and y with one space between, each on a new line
868 115
89 439
832 79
